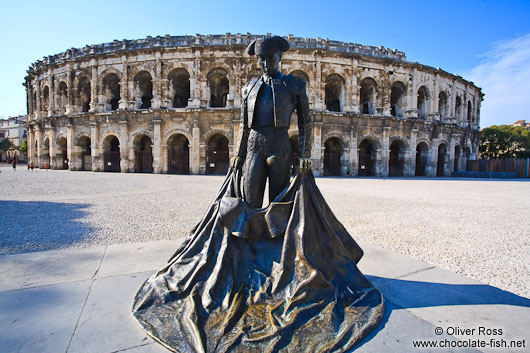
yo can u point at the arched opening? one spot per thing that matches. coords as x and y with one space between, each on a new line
111 90
458 108
62 93
423 96
179 88
83 94
397 99
440 165
46 153
219 88
62 154
85 153
111 154
367 156
45 98
144 89
143 154
442 105
332 154
422 157
303 76
178 154
294 153
368 95
457 159
333 93
217 155
469 112
396 161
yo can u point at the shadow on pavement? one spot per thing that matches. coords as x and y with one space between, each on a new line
405 294
27 226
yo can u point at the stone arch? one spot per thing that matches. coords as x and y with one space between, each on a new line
46 158
208 134
401 138
143 89
218 86
136 135
111 89
333 150
398 98
45 98
441 161
423 98
111 147
367 155
170 133
62 94
178 153
469 115
84 151
111 70
83 91
334 92
143 152
422 157
217 154
179 87
337 134
301 75
368 95
458 108
397 154
443 105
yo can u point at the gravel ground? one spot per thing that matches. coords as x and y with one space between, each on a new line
478 228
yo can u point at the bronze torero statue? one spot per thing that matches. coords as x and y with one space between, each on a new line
282 278
268 103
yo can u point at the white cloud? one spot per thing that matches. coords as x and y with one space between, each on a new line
504 76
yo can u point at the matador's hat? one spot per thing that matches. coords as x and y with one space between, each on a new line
267 46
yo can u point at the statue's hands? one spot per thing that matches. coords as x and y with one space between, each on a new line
305 163
236 162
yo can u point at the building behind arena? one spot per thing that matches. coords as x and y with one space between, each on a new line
171 105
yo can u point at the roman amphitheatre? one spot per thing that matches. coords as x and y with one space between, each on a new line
171 104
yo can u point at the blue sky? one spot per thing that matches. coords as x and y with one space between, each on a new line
487 42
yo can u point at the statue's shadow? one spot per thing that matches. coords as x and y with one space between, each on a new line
405 294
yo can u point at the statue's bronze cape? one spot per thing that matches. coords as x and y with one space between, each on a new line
283 278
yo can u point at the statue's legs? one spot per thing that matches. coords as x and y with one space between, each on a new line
268 155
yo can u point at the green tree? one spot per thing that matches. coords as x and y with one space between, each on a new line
24 146
6 144
504 141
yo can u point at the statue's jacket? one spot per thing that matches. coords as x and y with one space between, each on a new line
289 95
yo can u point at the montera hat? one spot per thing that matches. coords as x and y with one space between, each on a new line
267 46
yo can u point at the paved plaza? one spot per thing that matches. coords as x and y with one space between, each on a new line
78 245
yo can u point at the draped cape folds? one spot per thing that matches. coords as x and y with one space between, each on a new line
279 279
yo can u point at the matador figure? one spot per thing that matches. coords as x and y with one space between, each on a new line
264 149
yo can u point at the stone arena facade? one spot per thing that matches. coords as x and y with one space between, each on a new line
171 105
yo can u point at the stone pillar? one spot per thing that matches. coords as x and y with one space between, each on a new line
157 88
195 151
39 106
157 141
450 165
125 151
68 109
410 162
452 104
195 87
385 151
435 107
412 99
433 159
38 133
94 89
124 84
31 144
97 162
355 88
316 153
354 155
51 93
72 162
319 90
53 148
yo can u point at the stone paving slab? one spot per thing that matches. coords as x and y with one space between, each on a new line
49 267
85 305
